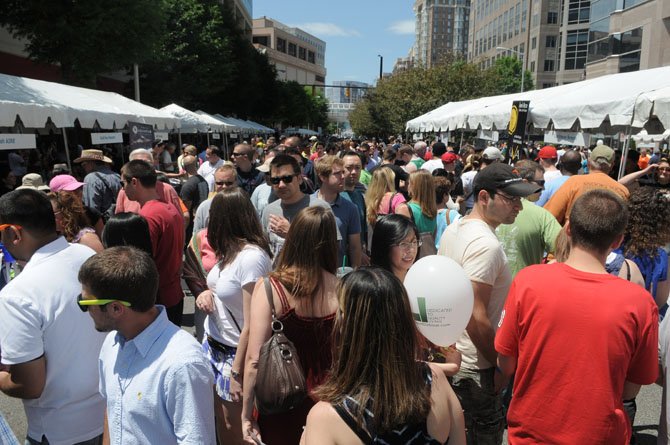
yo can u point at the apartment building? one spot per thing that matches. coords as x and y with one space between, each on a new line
296 54
441 29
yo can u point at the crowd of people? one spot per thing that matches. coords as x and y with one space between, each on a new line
313 240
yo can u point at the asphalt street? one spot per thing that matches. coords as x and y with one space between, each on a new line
646 421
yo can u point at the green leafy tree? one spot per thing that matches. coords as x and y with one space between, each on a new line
507 74
86 37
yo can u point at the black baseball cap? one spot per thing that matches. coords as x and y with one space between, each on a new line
503 177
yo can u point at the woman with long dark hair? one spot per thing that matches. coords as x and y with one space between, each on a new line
243 256
378 390
395 247
303 294
127 229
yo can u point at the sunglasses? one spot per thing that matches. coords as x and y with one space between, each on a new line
7 226
226 183
84 304
275 180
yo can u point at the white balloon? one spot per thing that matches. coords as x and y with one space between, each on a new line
441 297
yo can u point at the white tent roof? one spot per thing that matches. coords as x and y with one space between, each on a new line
302 131
191 121
227 127
35 101
622 99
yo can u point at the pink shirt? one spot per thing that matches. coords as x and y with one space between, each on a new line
166 193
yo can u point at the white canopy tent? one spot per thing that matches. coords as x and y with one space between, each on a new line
300 131
36 101
623 100
194 122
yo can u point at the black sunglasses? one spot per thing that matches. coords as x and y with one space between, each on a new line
275 180
226 183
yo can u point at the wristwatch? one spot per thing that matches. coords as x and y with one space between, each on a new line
234 374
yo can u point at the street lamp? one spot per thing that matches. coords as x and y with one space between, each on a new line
381 65
523 59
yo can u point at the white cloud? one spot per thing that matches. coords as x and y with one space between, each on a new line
321 29
402 27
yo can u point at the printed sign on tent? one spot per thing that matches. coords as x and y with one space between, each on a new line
106 138
140 135
17 141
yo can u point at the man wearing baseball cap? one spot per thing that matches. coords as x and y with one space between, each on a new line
472 243
548 157
600 164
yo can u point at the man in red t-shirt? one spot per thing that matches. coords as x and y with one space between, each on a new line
166 227
580 340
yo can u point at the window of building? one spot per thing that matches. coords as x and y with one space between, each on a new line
550 42
533 43
261 40
281 45
310 56
579 11
549 65
302 53
320 79
517 19
547 85
292 49
532 66
552 17
576 49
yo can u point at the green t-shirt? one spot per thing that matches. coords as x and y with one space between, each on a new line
365 177
418 162
423 223
532 234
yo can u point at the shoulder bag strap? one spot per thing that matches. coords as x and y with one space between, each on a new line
446 216
391 211
268 293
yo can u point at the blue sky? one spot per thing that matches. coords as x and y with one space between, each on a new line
354 31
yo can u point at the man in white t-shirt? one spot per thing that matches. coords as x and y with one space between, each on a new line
472 243
214 161
548 158
48 346
436 162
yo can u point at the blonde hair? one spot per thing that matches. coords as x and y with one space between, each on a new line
422 191
382 182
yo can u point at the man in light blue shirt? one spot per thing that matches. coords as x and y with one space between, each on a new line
154 377
570 163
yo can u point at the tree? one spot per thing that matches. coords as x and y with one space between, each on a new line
86 37
507 72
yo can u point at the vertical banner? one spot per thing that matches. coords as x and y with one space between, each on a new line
140 135
516 130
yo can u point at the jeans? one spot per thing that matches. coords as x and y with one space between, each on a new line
482 407
94 441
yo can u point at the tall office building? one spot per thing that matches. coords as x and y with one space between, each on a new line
242 12
527 29
296 54
573 38
441 29
346 91
628 35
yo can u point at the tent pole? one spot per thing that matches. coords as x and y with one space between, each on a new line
624 154
67 149
179 136
208 138
461 144
225 144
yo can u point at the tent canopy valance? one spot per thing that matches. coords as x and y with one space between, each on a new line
617 100
37 101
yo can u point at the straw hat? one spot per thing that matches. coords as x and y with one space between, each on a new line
92 155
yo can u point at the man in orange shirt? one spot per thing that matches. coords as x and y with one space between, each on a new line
600 164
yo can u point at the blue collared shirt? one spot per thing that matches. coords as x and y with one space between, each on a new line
158 387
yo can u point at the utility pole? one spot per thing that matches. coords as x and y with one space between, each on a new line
381 65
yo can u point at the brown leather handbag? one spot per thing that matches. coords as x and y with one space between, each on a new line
280 381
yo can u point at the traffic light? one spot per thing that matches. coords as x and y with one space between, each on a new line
347 92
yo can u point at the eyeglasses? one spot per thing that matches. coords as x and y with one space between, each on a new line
663 169
275 180
84 304
409 245
7 226
509 199
226 183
